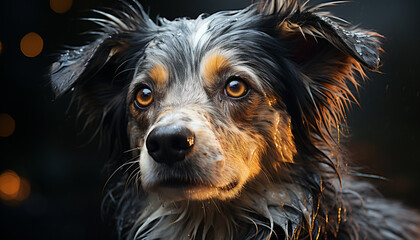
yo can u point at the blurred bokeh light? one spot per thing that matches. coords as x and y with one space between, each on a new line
1 47
31 44
7 125
61 6
13 189
9 185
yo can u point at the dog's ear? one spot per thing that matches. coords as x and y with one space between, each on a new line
326 55
120 31
307 25
81 64
99 73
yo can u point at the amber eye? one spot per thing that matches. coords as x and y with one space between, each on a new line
236 87
144 97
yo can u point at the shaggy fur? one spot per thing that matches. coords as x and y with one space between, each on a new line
266 165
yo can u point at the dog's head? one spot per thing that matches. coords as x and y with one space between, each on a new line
216 102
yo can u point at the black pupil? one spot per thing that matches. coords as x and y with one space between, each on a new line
146 93
235 86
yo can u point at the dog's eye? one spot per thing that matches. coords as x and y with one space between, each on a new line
236 87
144 97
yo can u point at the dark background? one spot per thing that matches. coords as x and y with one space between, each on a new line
64 170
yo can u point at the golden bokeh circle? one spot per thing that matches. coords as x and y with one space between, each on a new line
13 188
61 6
9 185
7 125
31 44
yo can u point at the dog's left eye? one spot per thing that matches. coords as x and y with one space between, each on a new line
236 87
144 97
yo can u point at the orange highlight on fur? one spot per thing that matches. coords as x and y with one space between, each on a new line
213 65
159 74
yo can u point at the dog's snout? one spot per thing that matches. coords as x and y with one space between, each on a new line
169 144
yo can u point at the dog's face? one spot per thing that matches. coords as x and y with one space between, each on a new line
200 110
216 102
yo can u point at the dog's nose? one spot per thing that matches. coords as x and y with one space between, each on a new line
169 144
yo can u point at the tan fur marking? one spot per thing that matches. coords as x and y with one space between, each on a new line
159 74
213 65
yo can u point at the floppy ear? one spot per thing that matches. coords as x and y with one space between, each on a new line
326 55
120 30
309 23
79 64
98 74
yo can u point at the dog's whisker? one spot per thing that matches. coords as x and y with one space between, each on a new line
132 175
131 163
132 149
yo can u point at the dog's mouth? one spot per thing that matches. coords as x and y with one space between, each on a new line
188 183
229 186
177 183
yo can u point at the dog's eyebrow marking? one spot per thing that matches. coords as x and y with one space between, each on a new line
212 66
159 74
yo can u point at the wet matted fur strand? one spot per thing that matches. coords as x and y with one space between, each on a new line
227 126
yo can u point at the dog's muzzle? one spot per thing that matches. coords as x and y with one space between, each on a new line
183 159
170 144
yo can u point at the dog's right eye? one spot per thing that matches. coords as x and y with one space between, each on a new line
144 97
236 87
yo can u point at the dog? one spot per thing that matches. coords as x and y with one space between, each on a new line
232 123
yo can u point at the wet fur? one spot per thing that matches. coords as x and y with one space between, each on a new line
299 63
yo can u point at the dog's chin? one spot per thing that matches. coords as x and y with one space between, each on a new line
178 190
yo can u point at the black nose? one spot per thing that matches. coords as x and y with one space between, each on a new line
169 144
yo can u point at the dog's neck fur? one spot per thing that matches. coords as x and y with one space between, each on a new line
348 211
281 205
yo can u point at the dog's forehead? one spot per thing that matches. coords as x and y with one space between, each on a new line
179 47
187 40
203 32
